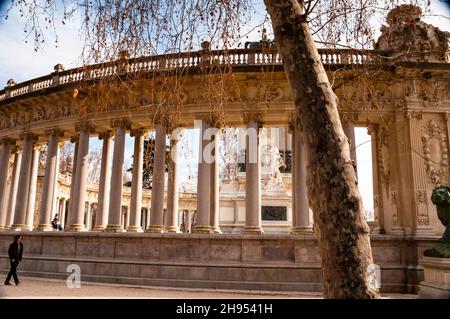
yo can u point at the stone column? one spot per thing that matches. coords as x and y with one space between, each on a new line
56 191
301 221
63 212
13 187
372 130
136 182
115 198
50 179
253 178
31 201
214 187
127 217
188 221
5 151
75 140
157 204
76 216
105 182
349 130
172 187
20 211
88 216
203 224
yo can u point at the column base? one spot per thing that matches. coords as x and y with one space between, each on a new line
114 229
44 227
76 228
19 227
252 230
424 231
216 230
135 229
397 231
173 229
302 230
99 228
155 229
202 230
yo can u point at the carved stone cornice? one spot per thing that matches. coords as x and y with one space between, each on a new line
28 136
137 132
54 132
84 127
105 135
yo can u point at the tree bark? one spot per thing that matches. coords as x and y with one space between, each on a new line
343 233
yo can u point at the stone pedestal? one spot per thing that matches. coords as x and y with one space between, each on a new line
437 278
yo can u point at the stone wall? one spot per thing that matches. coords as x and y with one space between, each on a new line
269 262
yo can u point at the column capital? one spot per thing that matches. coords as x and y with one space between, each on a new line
74 139
348 117
217 120
294 122
372 128
137 132
28 136
39 147
253 116
121 123
84 126
161 120
16 149
7 141
105 135
54 132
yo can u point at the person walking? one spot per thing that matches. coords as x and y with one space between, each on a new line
15 257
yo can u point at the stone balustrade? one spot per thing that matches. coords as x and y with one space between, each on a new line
204 58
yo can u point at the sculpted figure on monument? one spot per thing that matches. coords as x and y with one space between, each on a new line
406 38
441 198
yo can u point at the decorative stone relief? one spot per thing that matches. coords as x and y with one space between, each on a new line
422 213
435 152
273 94
421 196
406 38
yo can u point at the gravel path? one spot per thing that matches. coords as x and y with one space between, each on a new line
49 288
31 288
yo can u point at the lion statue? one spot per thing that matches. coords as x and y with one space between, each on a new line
441 198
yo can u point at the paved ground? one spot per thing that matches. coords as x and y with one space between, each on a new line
30 288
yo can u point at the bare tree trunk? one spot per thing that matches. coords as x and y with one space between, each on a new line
332 186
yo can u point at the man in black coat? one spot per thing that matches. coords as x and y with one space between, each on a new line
15 257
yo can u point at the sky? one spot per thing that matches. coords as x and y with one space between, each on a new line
19 60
